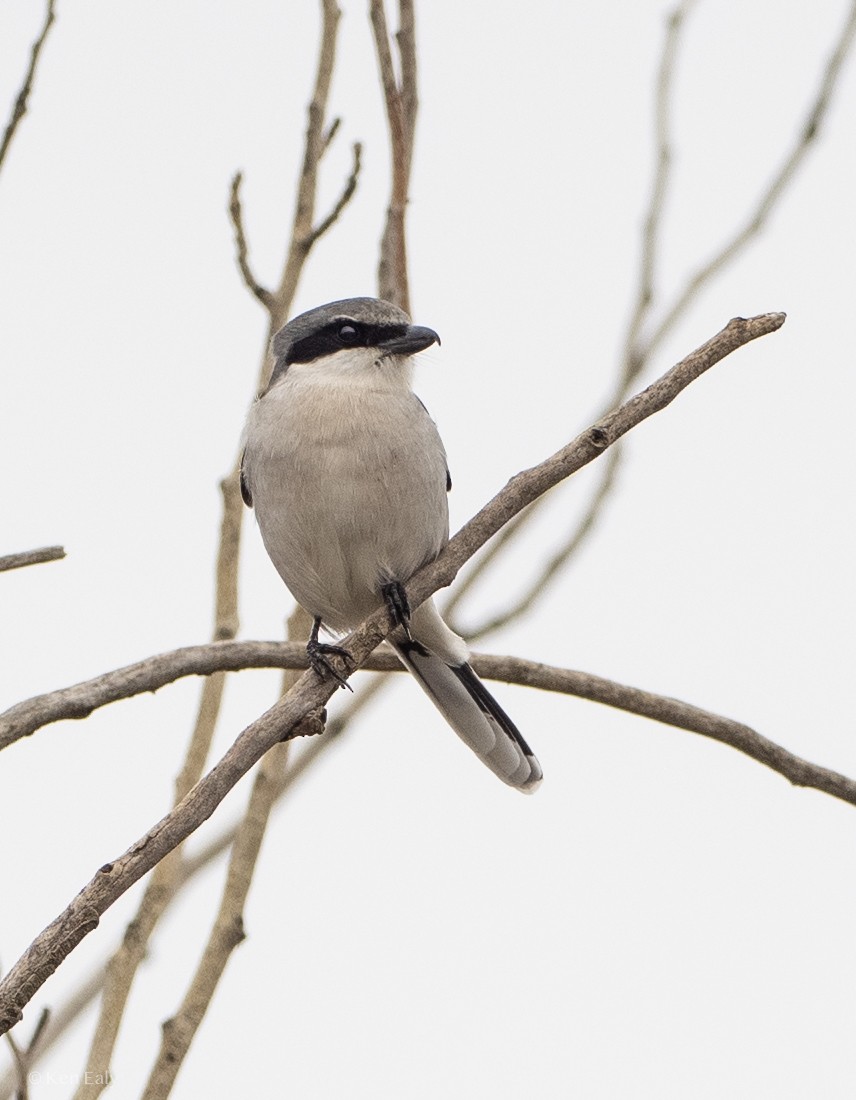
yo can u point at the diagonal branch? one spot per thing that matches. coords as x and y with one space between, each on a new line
22 99
296 713
31 557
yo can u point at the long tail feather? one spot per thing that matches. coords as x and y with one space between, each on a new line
474 715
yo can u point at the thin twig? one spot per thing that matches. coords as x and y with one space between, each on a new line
344 198
242 251
293 714
554 565
22 1090
316 142
55 1023
22 99
400 97
633 362
332 130
31 557
638 351
24 1057
630 368
806 136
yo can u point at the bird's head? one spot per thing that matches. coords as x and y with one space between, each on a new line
380 327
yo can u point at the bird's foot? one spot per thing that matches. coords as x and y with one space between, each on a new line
398 606
319 654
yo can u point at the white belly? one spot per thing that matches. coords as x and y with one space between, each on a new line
348 479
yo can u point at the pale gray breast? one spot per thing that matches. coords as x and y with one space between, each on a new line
349 487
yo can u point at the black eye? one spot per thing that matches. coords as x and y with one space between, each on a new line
347 334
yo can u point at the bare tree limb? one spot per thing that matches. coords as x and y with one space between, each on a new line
227 932
344 198
54 1024
330 133
70 1009
638 350
685 716
31 557
633 362
23 1057
512 670
22 99
554 565
316 142
401 99
196 660
22 1090
631 366
242 251
293 714
769 198
123 967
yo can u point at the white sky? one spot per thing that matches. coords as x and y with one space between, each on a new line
665 918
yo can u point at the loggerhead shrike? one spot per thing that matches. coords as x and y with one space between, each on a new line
348 478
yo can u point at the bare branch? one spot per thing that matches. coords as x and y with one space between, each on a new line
559 558
637 351
402 104
757 219
294 714
343 199
31 557
253 285
632 361
227 931
23 1057
673 712
22 1090
512 670
21 102
54 1024
123 966
332 130
315 144
79 1000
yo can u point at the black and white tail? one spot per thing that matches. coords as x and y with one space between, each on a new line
474 715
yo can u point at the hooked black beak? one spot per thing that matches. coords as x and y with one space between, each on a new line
414 339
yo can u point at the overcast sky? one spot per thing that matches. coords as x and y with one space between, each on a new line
665 917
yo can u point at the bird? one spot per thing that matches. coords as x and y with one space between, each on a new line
348 478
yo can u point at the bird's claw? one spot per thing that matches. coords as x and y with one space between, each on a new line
319 653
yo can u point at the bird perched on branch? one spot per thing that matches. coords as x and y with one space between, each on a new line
348 478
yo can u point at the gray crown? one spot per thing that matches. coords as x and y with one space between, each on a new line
368 311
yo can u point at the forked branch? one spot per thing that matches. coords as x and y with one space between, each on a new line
297 712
